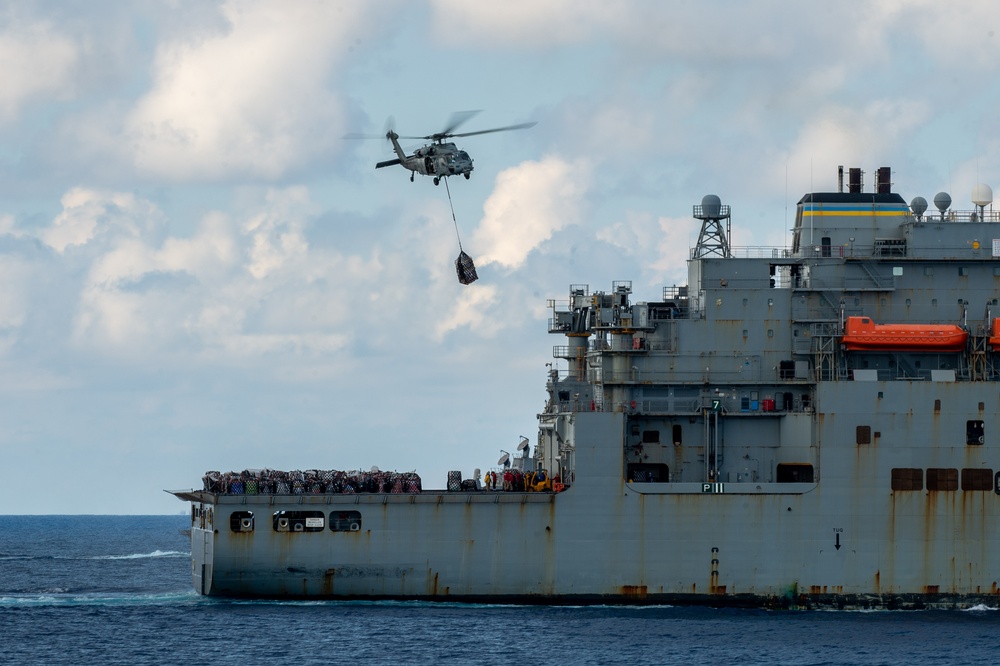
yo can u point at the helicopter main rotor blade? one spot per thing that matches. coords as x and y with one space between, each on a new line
457 118
497 129
388 163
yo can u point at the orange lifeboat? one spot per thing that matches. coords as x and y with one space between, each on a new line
995 335
862 334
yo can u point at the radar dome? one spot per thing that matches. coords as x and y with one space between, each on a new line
918 206
982 195
942 200
711 205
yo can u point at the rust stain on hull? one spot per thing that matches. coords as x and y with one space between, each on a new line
637 592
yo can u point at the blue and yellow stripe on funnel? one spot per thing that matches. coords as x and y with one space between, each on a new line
819 209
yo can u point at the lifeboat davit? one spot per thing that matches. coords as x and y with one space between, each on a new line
862 334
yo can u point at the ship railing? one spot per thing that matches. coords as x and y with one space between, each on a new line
559 325
567 352
675 292
772 404
902 373
760 252
885 283
750 374
960 216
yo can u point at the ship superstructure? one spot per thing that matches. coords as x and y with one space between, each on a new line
808 425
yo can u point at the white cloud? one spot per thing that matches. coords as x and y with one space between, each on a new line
15 274
276 234
530 202
38 61
840 135
87 213
550 23
248 100
471 310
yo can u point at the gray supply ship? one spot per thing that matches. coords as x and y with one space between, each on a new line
806 426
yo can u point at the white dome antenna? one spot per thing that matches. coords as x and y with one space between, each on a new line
982 196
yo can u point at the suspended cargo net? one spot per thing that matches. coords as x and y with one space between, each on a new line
464 266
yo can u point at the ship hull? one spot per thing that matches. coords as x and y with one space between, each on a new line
844 541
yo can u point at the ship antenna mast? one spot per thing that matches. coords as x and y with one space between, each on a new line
713 240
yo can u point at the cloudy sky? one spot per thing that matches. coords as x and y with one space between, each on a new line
200 273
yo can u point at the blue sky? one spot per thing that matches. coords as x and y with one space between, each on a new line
201 274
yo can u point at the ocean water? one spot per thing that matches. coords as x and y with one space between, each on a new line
117 590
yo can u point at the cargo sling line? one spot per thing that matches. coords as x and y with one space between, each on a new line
464 265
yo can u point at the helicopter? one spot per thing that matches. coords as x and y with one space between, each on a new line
438 159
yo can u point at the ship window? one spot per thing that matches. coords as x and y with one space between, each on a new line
942 478
977 479
974 432
744 301
745 332
864 435
648 472
298 521
857 301
825 242
907 478
345 521
770 332
963 270
934 302
677 435
909 302
928 271
996 271
650 436
241 521
795 473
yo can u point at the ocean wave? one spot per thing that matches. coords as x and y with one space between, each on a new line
131 556
980 608
141 556
54 598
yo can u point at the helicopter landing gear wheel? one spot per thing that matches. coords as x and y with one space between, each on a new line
412 174
437 180
468 176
